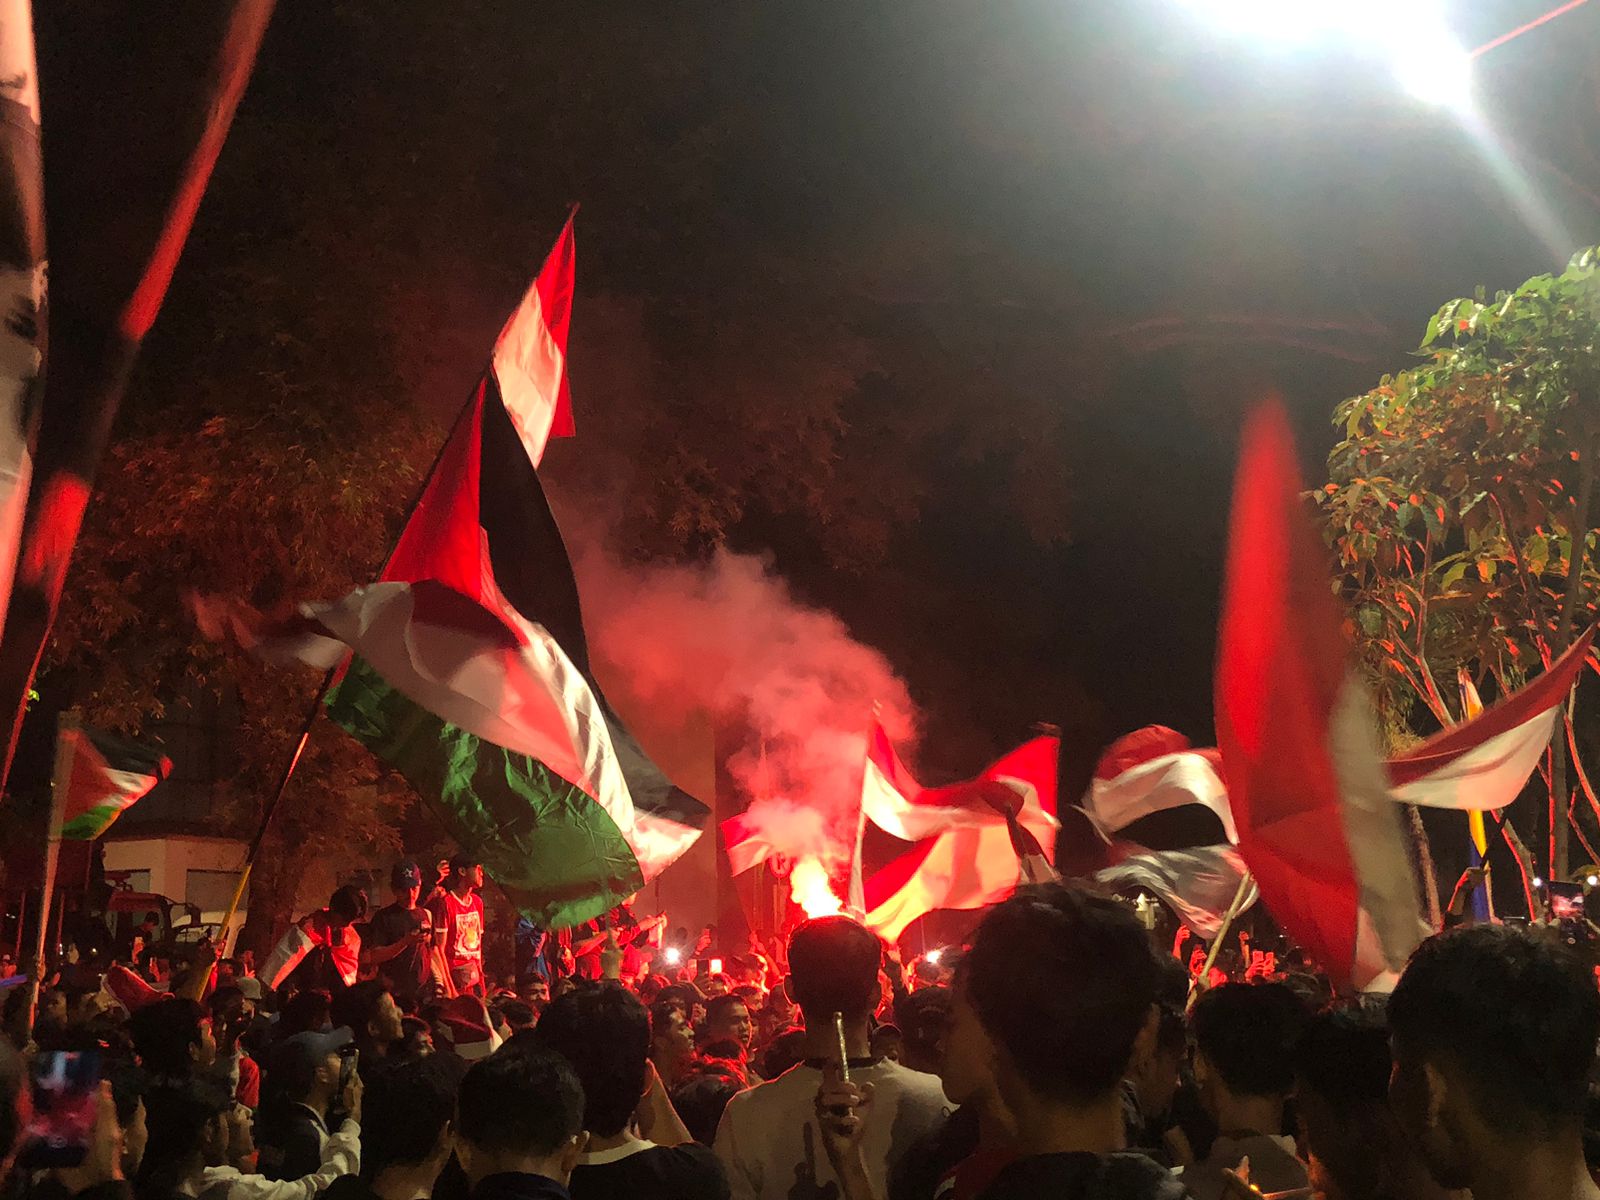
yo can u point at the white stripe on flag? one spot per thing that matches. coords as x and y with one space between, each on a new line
1170 781
1490 775
528 366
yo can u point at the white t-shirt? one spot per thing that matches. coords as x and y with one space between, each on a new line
772 1149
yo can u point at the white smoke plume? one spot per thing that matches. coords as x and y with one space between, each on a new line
728 638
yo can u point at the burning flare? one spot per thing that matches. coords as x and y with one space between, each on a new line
810 889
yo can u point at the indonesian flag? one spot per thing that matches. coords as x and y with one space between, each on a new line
1317 826
977 838
1483 763
104 776
472 674
1155 770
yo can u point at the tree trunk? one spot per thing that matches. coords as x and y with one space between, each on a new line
1560 834
1424 855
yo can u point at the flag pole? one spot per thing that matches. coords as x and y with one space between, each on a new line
69 721
1234 909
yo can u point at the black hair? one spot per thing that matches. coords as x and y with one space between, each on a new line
1248 1032
518 1014
605 1035
923 1017
1172 1033
833 967
224 998
306 1010
523 1101
1064 981
786 1050
404 1109
661 1016
684 995
720 1008
349 902
356 1005
1516 1014
177 1112
164 1032
700 1102
1343 1056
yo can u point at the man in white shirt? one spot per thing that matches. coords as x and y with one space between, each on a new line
768 1140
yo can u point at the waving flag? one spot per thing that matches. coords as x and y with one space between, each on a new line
1155 771
1199 883
1316 824
135 142
473 677
104 776
1483 763
1002 827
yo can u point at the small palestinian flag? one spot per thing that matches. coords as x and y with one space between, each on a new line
472 673
103 777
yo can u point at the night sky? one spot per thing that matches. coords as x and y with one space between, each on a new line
1188 219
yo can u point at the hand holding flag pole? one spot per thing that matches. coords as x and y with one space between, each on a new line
1199 983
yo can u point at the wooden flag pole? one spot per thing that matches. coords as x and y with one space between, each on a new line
1234 909
68 722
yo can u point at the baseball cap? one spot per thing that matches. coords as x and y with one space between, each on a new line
405 874
308 1050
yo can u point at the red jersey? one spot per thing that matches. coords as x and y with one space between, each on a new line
462 922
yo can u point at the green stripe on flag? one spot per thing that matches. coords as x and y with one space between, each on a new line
92 822
557 853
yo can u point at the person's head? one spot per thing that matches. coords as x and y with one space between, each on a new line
786 1050
127 1093
700 1101
728 1017
347 906
888 1043
1493 1031
518 1014
466 873
151 921
416 1039
716 985
1244 1038
187 1122
1155 1074
520 1109
307 1067
405 881
922 1017
1342 1068
1056 991
671 1038
173 1037
308 1010
406 1112
368 1010
535 993
833 967
231 1013
605 1035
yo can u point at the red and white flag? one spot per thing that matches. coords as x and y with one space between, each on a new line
999 829
1483 763
1317 826
1154 770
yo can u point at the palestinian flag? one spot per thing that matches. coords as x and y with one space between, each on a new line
1316 823
472 674
102 776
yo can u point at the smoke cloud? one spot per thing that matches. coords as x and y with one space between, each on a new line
728 638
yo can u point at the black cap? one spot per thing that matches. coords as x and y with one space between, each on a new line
405 874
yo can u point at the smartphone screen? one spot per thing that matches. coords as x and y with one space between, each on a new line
1566 901
64 1086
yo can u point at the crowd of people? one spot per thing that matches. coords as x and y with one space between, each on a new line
1061 1053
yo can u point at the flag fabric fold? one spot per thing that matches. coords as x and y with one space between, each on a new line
1198 884
1483 763
1155 770
1316 824
472 674
104 776
972 861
